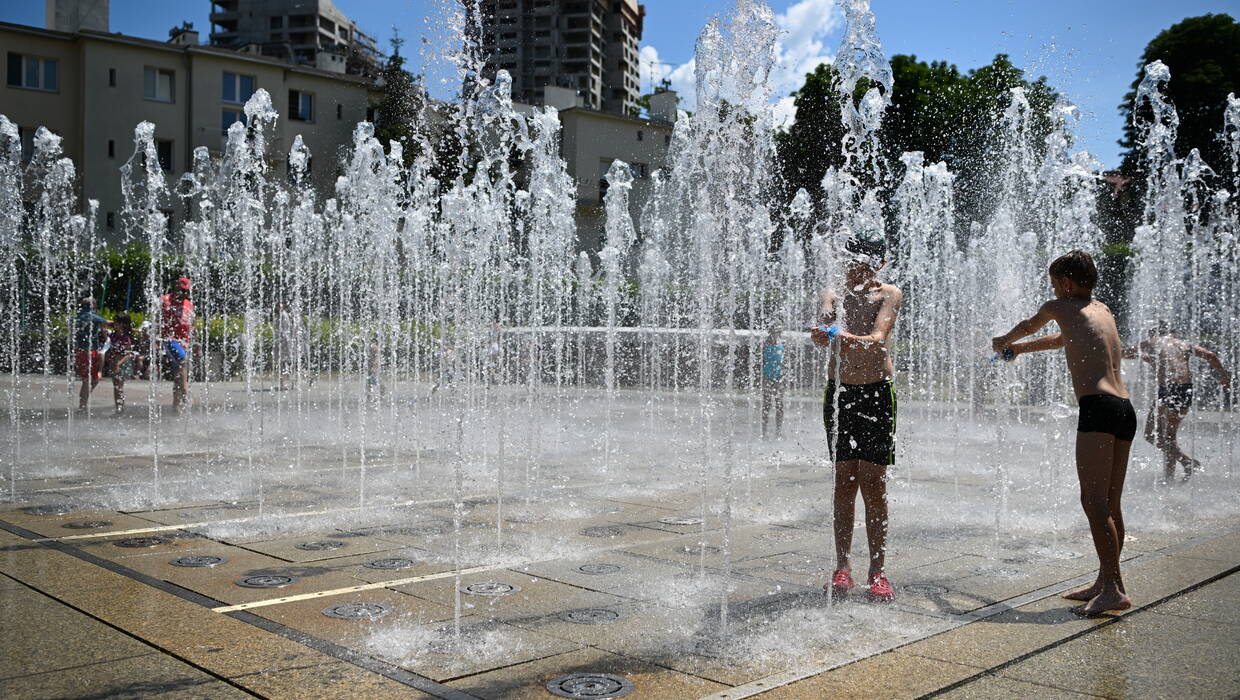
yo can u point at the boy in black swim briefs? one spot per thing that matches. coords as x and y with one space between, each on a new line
1171 358
1107 423
859 407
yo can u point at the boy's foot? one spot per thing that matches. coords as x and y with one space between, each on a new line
880 589
1104 602
1084 593
841 582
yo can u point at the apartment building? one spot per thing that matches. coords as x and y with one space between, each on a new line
306 32
589 46
92 88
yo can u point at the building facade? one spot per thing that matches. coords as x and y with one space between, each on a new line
589 46
306 32
92 88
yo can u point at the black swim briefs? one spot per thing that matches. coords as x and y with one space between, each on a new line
867 422
1107 413
1177 397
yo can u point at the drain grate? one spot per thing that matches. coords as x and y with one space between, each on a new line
599 569
320 545
590 616
389 564
603 531
490 588
781 536
1048 553
52 509
680 520
590 685
924 589
141 542
267 581
698 549
1001 572
357 611
87 524
416 531
198 560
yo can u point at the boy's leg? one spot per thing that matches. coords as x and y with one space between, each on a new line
846 484
1175 419
1096 468
779 408
873 478
766 403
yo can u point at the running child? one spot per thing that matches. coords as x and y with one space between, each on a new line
1171 356
120 359
87 358
1107 422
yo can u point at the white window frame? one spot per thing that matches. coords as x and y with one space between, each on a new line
236 78
151 76
300 115
39 63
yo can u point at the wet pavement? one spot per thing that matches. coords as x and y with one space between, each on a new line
330 567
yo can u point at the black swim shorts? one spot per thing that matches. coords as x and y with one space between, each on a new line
1107 413
1177 397
867 422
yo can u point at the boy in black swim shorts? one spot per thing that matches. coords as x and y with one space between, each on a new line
1107 423
859 408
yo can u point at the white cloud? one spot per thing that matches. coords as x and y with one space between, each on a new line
801 48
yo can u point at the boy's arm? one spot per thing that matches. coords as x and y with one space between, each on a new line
1053 341
883 323
1223 375
1029 326
826 317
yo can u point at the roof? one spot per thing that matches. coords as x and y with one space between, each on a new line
155 45
586 111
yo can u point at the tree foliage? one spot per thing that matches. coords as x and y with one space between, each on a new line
948 115
399 113
1203 54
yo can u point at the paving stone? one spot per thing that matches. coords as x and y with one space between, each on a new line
529 680
1144 655
989 687
27 647
148 676
890 675
535 596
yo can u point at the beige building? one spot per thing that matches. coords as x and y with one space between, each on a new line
591 140
589 46
92 88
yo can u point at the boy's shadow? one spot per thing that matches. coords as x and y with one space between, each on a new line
1011 616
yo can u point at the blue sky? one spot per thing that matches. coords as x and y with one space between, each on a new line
1087 48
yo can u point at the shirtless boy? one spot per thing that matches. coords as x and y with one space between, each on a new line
1107 423
860 412
1170 356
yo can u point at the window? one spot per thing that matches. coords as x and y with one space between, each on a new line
111 77
33 72
164 149
111 219
300 106
277 22
339 111
111 148
639 170
238 88
157 84
640 136
26 136
229 117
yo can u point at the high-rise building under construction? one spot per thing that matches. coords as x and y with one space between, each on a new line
588 46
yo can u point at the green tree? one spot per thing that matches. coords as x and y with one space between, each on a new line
399 113
1203 54
936 109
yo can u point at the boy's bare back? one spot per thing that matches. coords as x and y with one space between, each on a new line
1091 344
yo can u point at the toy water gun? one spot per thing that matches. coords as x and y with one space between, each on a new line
1007 355
831 331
